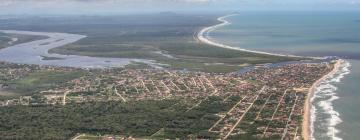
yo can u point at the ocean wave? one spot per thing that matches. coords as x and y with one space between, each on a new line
325 94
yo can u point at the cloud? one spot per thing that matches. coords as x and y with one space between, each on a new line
4 3
354 2
110 3
107 1
117 6
102 6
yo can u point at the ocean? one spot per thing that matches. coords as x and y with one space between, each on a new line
335 106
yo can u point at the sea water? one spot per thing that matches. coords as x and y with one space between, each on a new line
336 104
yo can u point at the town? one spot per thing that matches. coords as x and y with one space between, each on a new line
269 100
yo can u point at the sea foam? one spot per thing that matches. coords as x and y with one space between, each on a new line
325 94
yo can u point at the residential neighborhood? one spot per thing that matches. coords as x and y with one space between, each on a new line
270 100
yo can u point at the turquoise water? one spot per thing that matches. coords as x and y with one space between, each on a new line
336 105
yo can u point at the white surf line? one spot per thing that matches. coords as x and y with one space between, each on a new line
326 87
203 36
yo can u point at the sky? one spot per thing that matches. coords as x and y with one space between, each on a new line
9 7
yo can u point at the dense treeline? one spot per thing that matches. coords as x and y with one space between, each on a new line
138 119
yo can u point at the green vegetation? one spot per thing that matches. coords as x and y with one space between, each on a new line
43 80
140 36
167 38
138 65
129 37
6 38
137 119
6 95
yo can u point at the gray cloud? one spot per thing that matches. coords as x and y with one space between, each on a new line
101 6
35 3
117 6
107 1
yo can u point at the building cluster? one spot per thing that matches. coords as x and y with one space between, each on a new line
276 110
10 72
270 106
134 85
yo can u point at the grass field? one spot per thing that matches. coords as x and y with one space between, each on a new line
43 80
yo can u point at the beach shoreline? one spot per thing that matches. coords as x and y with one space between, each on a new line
306 126
202 36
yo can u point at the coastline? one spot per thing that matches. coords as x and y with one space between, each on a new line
306 126
202 36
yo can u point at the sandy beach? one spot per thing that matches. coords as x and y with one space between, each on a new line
306 127
203 36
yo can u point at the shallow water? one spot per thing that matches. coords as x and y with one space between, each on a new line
336 106
36 52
